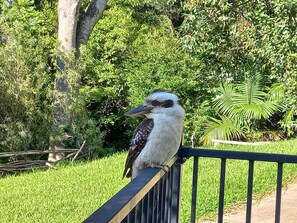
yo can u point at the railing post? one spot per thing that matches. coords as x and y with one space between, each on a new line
278 192
222 190
194 190
250 191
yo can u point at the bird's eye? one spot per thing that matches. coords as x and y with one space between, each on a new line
155 103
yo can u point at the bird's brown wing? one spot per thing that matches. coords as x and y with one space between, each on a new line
137 144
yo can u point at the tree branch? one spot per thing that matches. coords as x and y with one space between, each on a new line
9 3
88 20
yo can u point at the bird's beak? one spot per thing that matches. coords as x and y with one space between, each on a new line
139 111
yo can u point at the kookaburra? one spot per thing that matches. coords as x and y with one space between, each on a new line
157 138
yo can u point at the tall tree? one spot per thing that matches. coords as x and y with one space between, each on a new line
74 30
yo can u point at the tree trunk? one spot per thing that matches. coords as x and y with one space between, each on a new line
74 30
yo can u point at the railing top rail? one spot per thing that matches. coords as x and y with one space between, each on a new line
117 208
186 152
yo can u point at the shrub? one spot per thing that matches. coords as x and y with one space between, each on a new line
25 77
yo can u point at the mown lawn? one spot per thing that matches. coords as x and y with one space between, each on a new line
73 192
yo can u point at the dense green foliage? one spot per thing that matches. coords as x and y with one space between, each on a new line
189 47
134 57
26 74
241 40
72 193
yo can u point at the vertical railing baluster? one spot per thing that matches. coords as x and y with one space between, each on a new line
164 197
166 207
194 190
250 191
222 190
136 213
156 203
152 205
149 209
144 209
278 192
131 216
170 196
176 192
159 200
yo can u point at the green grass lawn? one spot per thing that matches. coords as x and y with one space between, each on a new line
72 192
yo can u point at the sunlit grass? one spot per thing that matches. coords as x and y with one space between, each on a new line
68 194
72 192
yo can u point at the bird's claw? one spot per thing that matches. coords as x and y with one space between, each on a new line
165 168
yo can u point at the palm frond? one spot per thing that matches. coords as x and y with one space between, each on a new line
263 109
224 103
250 92
224 128
245 101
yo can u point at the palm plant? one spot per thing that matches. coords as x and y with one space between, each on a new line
238 107
223 128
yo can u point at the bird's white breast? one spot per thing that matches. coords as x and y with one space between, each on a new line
163 141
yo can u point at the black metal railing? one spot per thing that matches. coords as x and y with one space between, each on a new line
154 196
251 157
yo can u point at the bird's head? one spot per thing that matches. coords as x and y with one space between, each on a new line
159 102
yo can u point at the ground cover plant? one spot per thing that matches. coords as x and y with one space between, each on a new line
72 192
